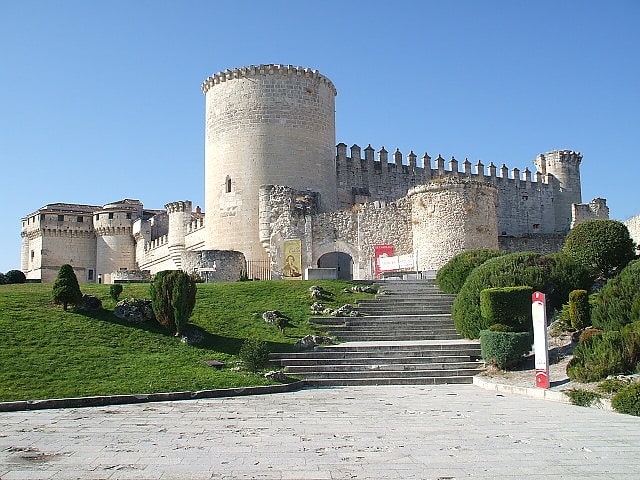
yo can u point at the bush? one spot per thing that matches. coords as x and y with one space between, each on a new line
115 290
504 349
603 246
600 356
254 354
555 275
579 309
15 276
3 279
501 327
453 274
627 400
588 333
583 398
173 296
618 303
65 288
612 385
508 306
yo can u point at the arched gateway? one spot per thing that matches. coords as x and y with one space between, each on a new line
339 260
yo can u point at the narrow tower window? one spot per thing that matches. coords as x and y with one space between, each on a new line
227 185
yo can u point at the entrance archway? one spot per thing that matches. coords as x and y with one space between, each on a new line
339 260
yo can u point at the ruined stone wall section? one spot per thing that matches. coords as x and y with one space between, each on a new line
214 265
542 244
596 208
450 216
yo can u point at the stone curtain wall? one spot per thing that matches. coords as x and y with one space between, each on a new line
450 216
543 244
596 208
528 203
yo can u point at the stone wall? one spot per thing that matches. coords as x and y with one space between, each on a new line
596 208
543 244
633 224
215 265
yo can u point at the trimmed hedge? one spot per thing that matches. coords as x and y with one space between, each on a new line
554 275
507 306
618 303
579 309
504 349
453 274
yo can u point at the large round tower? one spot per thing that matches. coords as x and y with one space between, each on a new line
564 166
265 125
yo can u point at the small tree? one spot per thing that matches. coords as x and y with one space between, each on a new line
579 309
603 246
173 296
115 290
15 276
66 289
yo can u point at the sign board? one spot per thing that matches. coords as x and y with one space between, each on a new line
292 259
540 339
382 251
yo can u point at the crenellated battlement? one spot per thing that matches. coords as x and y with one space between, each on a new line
267 69
179 206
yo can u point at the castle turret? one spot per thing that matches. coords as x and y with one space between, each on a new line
265 125
179 218
564 168
115 244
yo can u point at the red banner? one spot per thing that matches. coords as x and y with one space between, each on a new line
385 250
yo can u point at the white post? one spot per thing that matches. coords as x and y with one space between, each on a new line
540 339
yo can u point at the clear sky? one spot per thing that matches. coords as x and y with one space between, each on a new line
101 101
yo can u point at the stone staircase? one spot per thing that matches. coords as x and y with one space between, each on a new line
407 337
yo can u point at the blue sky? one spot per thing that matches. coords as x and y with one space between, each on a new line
101 101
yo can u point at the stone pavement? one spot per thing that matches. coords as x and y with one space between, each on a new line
397 432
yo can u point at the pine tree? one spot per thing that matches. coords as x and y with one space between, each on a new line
66 289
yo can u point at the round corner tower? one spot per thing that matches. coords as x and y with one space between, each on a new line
450 216
564 167
265 125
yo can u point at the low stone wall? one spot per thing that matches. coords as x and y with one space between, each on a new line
215 265
543 244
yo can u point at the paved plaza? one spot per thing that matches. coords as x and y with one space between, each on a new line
397 432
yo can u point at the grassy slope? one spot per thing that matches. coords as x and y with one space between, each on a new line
46 352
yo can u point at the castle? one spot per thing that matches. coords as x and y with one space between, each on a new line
282 198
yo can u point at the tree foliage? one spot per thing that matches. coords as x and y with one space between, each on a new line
173 296
554 275
66 290
453 274
115 290
15 276
603 246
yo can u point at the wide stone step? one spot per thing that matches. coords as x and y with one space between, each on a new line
423 373
390 380
355 359
383 319
406 311
435 369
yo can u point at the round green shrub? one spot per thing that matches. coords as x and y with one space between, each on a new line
501 327
453 274
15 276
254 354
603 246
579 309
3 279
627 400
618 303
504 349
555 275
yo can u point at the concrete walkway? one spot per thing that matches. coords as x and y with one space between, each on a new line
398 432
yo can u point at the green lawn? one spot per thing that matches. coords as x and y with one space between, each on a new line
46 352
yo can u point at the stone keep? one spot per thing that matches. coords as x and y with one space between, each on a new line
265 125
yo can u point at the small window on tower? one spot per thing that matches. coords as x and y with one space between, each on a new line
80 219
227 187
61 218
111 216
